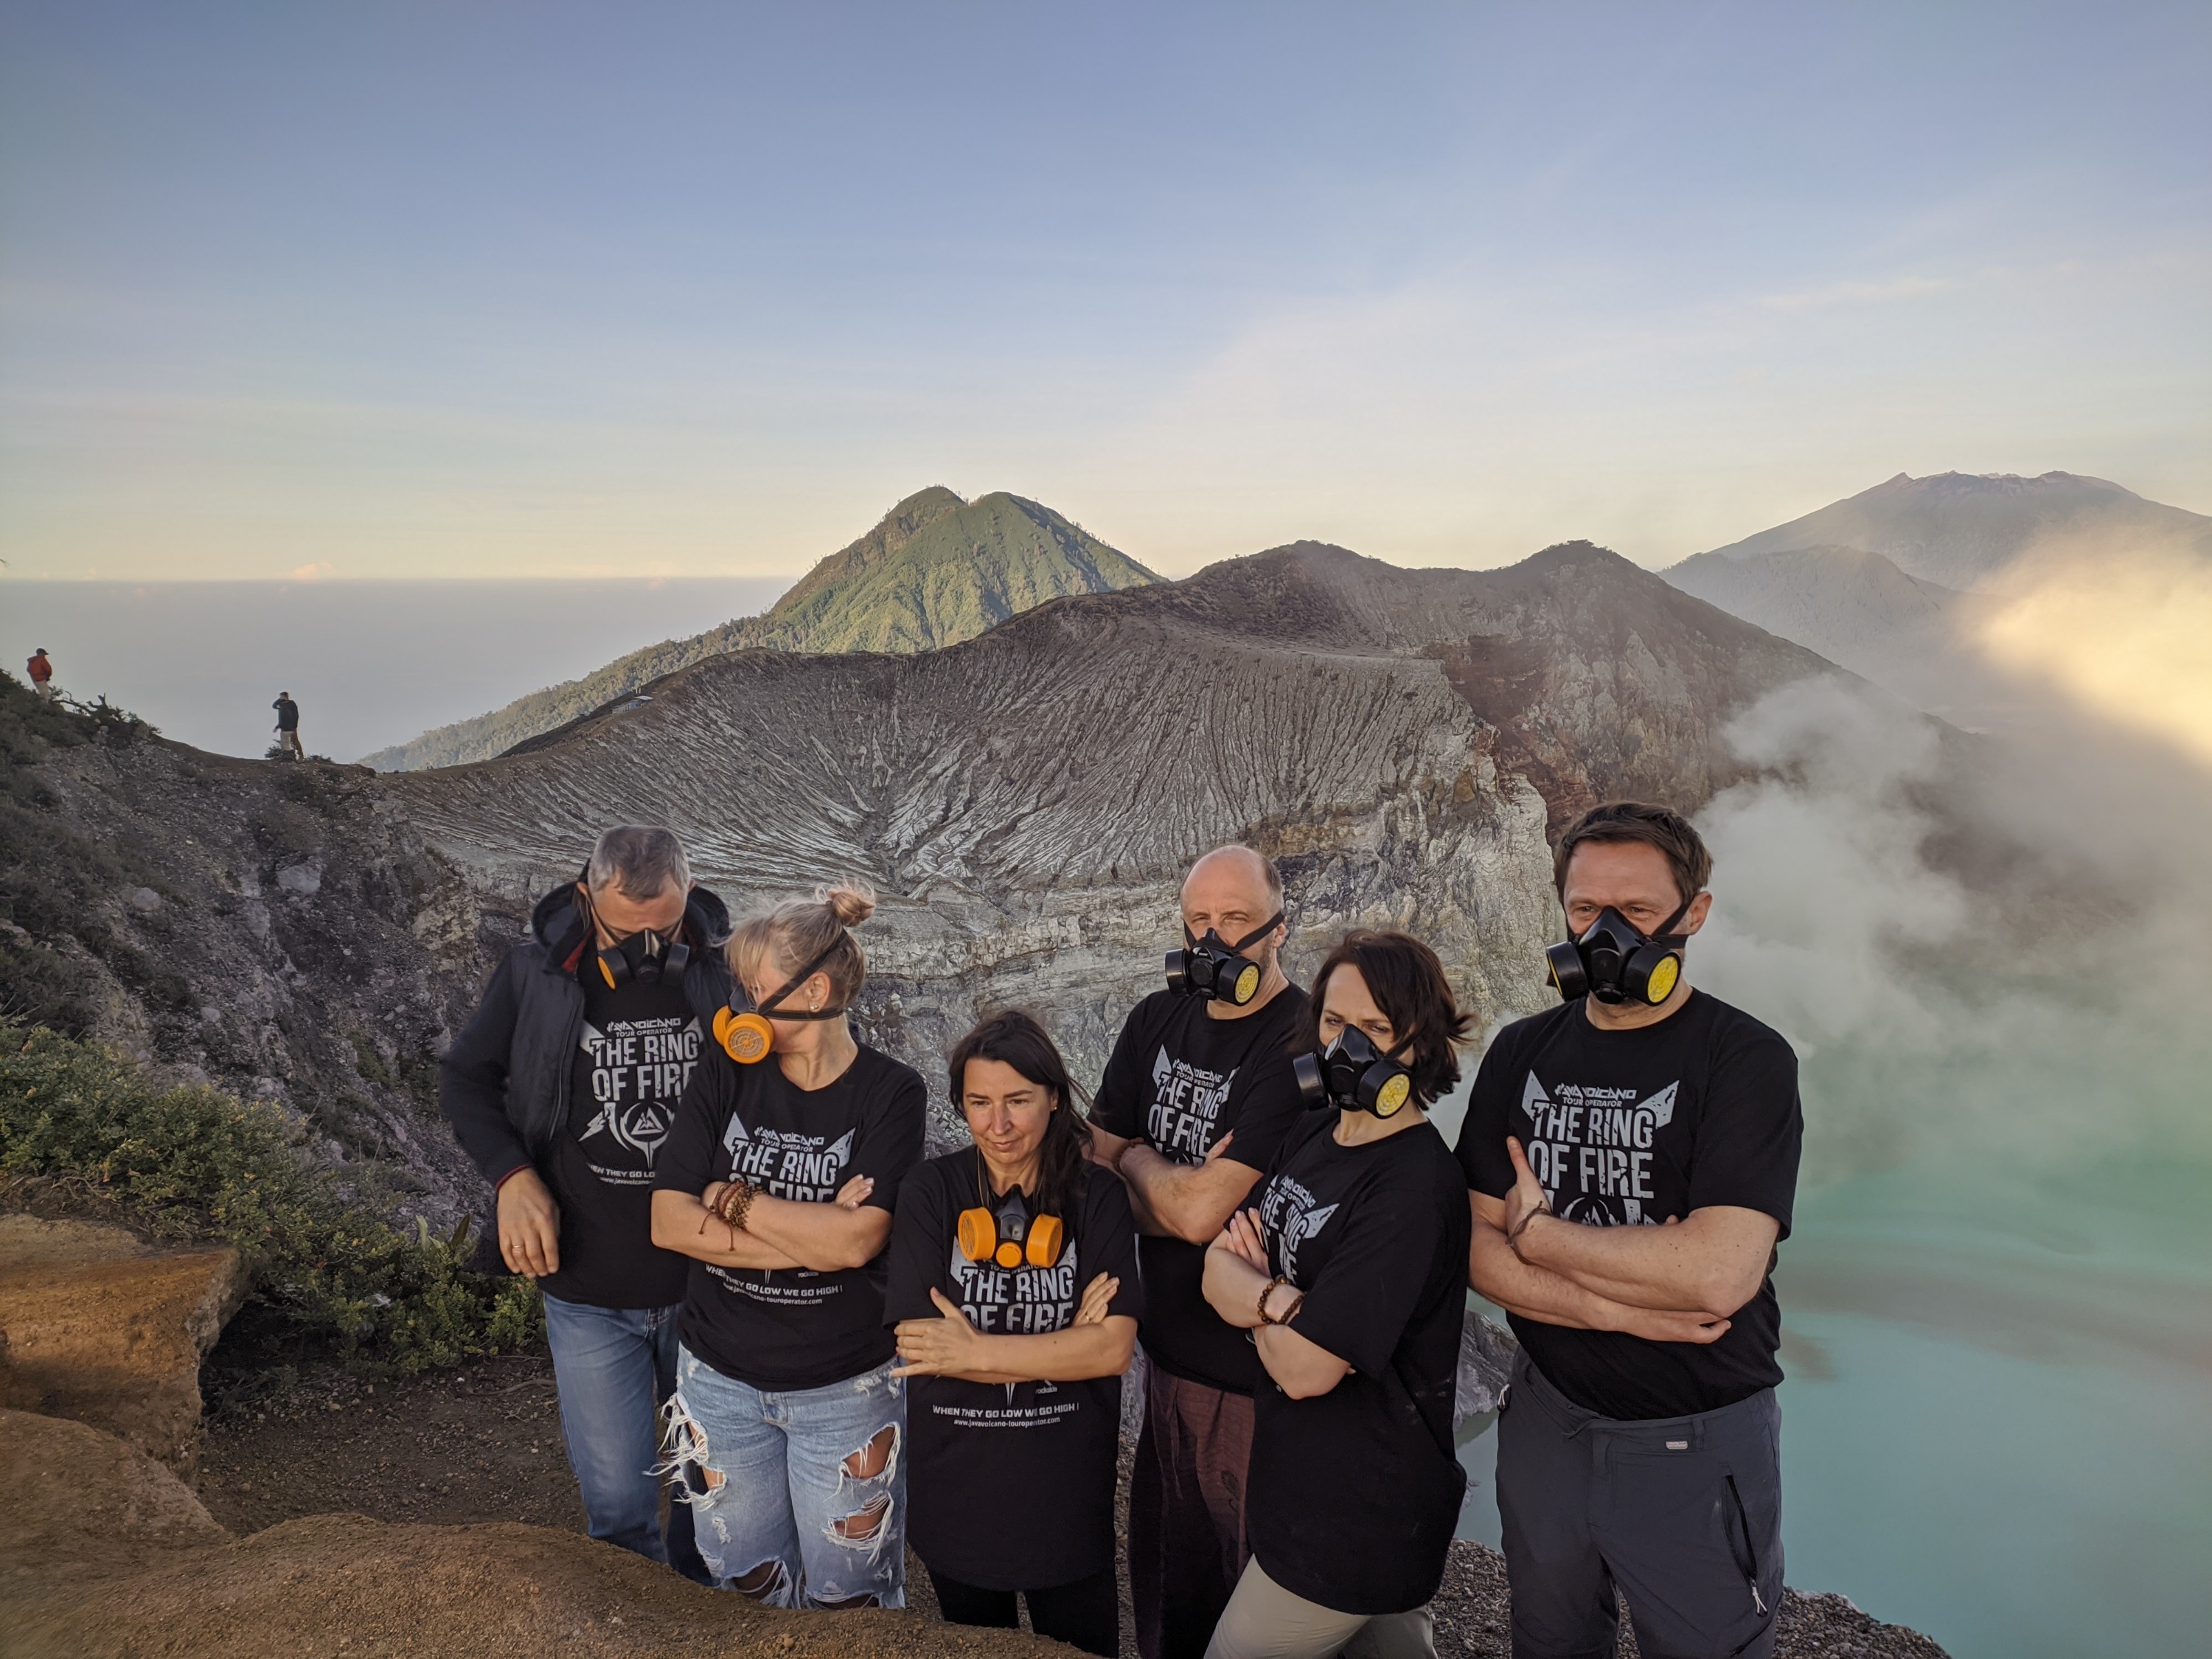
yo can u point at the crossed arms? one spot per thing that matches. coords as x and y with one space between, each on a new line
779 1232
1677 1282
1189 1201
1098 1344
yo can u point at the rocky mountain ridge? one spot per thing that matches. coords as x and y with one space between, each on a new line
1858 609
935 570
1403 741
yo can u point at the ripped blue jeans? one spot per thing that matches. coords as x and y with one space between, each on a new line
798 1499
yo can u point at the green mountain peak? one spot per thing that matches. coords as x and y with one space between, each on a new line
934 571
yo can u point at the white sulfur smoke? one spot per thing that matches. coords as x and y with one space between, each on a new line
2124 633
1984 950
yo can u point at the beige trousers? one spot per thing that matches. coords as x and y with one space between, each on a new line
1265 1621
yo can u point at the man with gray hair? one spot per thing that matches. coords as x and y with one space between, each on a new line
562 1090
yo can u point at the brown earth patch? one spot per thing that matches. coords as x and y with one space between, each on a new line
105 1552
97 1327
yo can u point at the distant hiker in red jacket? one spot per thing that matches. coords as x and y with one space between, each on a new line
288 727
42 675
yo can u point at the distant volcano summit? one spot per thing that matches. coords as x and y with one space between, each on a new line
935 571
1966 531
1898 582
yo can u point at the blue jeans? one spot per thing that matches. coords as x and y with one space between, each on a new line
615 1366
798 1499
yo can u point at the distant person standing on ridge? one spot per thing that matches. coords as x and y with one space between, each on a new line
561 1090
42 675
1633 1159
1195 1102
288 727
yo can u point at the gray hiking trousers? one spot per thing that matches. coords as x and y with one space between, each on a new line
1682 1514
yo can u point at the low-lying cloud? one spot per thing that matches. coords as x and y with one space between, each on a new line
1988 952
2128 635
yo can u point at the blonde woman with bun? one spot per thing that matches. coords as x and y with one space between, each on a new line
788 1428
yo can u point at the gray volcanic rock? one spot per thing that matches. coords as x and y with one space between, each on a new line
304 944
1026 801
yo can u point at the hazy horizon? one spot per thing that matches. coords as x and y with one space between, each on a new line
371 663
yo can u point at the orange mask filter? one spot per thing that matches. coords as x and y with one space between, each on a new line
981 1241
745 1033
746 1037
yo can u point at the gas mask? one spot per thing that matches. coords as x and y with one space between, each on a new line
644 958
1613 962
745 1033
1211 968
1353 1075
1007 1233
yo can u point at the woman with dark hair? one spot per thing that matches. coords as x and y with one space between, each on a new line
778 1181
1351 1274
1014 1288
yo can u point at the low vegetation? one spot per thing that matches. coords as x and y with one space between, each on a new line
333 1274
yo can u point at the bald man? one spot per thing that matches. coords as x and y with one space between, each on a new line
1198 1095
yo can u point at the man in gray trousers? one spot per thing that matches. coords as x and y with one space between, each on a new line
1633 1158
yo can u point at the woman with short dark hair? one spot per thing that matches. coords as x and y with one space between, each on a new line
1351 1272
1015 1293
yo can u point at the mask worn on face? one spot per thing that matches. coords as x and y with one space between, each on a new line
1353 1075
1613 962
1212 968
644 958
746 1035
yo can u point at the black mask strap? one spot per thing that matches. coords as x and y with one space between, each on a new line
1666 929
1658 935
799 979
1250 938
1260 932
591 914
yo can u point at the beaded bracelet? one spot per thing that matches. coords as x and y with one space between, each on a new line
736 1204
1271 1287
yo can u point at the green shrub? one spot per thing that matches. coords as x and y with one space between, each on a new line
195 1163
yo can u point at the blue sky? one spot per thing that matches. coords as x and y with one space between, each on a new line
420 290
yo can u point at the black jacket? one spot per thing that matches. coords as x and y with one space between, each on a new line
504 1084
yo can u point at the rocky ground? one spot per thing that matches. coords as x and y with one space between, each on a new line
152 1501
484 1445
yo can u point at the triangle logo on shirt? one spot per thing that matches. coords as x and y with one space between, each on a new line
1532 1096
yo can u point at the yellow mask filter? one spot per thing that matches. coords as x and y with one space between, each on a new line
1664 976
1395 1091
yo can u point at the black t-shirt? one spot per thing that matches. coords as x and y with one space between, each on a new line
640 1046
1354 1494
1011 1486
1638 1127
1179 1080
790 1327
